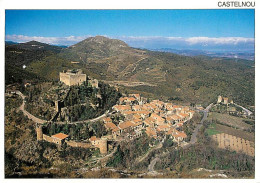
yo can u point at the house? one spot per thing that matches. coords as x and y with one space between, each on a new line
143 113
110 126
127 100
107 120
163 128
124 126
179 136
173 118
115 132
120 108
149 122
136 96
137 107
191 113
171 131
183 116
137 124
137 116
94 140
59 138
151 132
158 119
158 103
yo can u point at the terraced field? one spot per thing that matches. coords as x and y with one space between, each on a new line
233 143
228 120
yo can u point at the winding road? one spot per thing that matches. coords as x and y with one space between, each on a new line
41 121
26 113
244 109
193 139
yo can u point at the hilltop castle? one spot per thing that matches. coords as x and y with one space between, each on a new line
73 77
224 100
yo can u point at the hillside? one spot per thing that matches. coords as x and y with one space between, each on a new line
19 54
181 78
24 53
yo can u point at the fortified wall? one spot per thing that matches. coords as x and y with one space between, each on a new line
101 144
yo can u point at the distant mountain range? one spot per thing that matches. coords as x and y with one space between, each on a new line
228 54
198 79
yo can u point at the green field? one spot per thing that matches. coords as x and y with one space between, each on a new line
211 130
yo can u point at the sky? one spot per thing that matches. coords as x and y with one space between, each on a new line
177 29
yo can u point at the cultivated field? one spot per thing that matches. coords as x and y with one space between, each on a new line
235 132
233 143
230 120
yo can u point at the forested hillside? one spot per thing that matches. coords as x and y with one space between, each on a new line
197 79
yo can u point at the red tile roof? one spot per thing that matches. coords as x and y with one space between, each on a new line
107 119
135 95
110 125
150 131
125 125
93 138
122 107
60 136
180 134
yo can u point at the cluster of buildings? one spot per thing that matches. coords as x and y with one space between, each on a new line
155 118
224 100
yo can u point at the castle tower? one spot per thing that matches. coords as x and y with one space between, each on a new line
219 99
57 106
225 100
39 132
103 146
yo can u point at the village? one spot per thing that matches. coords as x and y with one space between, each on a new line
155 118
137 116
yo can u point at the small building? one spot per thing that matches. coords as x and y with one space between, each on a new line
151 132
219 99
94 140
107 120
225 100
120 108
179 136
59 138
93 83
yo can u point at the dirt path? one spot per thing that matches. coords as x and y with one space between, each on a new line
151 165
26 113
41 121
85 121
148 152
130 65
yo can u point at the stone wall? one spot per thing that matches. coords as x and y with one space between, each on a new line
39 132
79 144
48 138
103 146
77 79
65 78
72 79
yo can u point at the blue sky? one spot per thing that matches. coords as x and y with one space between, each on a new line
139 28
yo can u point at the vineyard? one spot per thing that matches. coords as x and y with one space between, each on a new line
233 143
